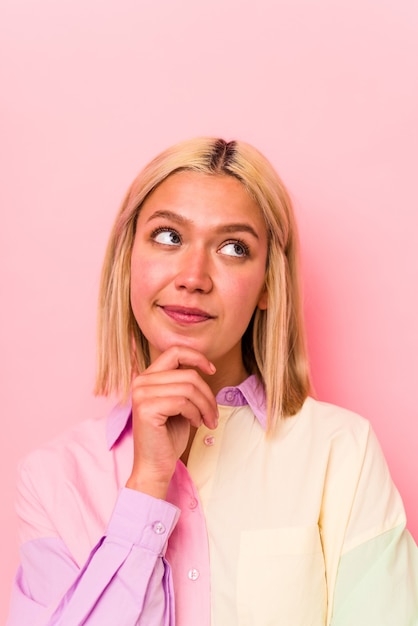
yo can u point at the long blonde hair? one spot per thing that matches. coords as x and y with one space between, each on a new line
273 346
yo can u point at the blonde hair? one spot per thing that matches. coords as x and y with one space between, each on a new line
273 346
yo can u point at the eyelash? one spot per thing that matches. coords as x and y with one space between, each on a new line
237 242
164 229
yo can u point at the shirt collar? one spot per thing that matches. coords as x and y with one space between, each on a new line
250 392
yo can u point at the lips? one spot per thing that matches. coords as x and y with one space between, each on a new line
185 315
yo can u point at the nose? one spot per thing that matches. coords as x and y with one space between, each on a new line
194 271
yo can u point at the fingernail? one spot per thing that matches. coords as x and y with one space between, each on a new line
212 368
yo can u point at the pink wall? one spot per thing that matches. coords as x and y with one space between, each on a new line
328 90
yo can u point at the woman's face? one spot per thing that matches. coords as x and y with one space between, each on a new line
198 267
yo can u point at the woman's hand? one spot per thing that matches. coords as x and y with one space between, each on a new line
167 399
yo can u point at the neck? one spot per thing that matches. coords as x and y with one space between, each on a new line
226 377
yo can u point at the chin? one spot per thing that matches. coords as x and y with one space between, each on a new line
185 342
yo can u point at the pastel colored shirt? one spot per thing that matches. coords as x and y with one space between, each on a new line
304 528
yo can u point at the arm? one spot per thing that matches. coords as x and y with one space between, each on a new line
124 578
377 576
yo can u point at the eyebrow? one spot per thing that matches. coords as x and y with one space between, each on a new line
224 228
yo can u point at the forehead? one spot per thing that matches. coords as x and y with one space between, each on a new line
196 195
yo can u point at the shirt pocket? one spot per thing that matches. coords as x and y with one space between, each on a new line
281 578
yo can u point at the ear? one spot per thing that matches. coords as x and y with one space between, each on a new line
263 300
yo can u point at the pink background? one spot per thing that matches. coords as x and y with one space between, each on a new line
92 90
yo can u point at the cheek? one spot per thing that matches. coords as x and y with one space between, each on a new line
242 294
249 283
145 275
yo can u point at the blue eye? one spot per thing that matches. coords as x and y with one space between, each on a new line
166 236
235 248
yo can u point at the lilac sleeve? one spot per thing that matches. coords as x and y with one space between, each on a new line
125 581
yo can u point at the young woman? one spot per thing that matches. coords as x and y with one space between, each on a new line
218 492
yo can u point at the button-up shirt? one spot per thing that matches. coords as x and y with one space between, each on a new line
301 528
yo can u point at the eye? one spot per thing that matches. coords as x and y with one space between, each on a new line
235 248
166 236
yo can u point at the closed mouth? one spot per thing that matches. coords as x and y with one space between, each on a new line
185 314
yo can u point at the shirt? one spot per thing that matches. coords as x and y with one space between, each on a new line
303 528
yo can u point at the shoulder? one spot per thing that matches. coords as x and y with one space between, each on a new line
333 416
67 460
344 437
59 484
355 462
328 423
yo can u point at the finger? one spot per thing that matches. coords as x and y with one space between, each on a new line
156 383
158 411
167 377
177 357
179 387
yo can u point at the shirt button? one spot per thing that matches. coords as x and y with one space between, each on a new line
193 503
209 440
158 528
193 574
230 395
